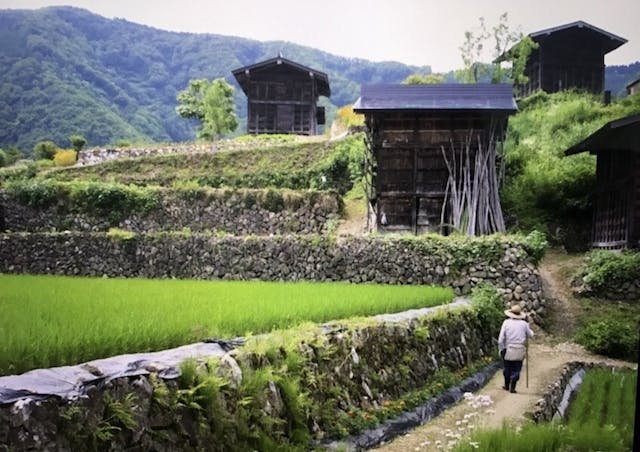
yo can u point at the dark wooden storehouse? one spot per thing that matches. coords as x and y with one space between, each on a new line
423 150
616 219
282 96
633 87
568 56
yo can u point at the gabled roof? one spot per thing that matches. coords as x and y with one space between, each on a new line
446 96
633 82
620 134
244 73
609 40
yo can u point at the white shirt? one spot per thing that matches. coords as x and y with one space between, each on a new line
513 332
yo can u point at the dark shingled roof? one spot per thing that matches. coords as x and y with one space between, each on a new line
621 134
446 96
242 74
609 40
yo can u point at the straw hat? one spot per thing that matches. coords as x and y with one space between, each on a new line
515 312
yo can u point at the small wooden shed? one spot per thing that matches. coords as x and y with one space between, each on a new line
430 147
616 219
568 56
633 87
282 96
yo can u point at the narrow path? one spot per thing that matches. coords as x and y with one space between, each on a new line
548 353
545 362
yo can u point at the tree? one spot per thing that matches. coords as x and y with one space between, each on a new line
77 142
424 79
212 104
45 150
510 47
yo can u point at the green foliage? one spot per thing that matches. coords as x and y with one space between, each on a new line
543 189
82 318
535 244
20 171
603 269
488 305
60 62
505 49
614 338
77 142
113 200
210 102
599 419
324 165
12 155
33 193
3 158
424 79
120 235
45 150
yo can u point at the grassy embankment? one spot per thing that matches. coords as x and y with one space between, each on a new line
50 321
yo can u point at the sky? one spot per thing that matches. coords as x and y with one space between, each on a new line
416 32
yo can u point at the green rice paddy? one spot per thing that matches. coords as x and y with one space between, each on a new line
52 320
600 419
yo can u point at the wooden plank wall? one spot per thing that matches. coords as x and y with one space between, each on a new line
412 175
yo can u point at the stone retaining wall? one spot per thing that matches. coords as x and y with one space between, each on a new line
461 263
238 212
298 387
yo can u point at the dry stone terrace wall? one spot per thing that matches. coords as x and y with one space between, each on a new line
458 263
238 212
342 372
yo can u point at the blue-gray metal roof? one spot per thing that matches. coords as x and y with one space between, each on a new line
619 134
445 96
610 41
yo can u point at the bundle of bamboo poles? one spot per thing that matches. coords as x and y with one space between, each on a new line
472 192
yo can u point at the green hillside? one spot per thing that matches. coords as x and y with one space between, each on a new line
65 70
543 189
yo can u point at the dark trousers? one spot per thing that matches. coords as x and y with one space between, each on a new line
511 371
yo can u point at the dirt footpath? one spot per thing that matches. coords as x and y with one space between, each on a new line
545 362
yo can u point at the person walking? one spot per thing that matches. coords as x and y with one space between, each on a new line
512 343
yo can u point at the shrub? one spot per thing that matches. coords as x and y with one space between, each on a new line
77 142
604 269
488 304
612 338
45 150
20 171
44 163
65 157
35 194
535 244
3 158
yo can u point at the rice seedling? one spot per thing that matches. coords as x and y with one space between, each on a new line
50 320
600 419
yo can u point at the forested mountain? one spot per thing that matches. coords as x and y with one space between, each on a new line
65 70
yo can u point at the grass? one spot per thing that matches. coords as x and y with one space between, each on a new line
284 164
50 320
600 419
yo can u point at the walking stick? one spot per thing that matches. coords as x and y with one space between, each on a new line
526 357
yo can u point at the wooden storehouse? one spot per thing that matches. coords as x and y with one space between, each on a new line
616 219
633 87
421 141
282 96
568 56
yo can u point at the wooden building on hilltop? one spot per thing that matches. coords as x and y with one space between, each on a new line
568 56
282 96
431 161
616 218
633 87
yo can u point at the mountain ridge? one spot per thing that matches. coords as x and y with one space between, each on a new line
65 70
